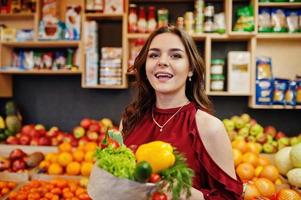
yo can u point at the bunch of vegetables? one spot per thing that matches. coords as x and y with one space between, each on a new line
156 162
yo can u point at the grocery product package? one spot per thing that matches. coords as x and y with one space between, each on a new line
104 186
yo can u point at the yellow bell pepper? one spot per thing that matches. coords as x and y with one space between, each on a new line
159 155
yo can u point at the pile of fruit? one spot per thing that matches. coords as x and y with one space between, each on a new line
19 161
154 162
245 128
70 161
6 187
54 190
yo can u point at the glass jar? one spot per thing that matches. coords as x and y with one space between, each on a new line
217 66
217 82
133 18
142 20
151 20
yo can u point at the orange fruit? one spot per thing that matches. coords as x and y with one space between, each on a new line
55 169
288 194
245 171
258 170
78 155
262 161
253 147
44 164
251 158
65 147
86 168
90 146
265 187
241 145
270 172
251 192
237 156
65 158
73 168
89 156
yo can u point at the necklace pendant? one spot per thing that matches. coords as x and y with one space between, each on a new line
161 129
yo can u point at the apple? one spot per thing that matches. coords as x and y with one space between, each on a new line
92 135
4 164
39 127
18 165
239 123
85 123
78 132
60 136
262 138
16 154
34 133
44 141
229 125
54 141
245 117
83 140
232 135
52 132
268 148
34 141
256 129
253 122
74 142
244 132
284 141
68 137
239 138
294 140
270 130
24 140
251 139
27 129
280 135
94 127
12 140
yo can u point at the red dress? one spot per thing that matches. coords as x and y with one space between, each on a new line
181 131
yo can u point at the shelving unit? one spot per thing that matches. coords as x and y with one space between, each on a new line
256 43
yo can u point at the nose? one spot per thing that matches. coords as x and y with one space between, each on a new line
163 61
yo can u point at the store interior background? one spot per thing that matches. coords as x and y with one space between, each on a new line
59 100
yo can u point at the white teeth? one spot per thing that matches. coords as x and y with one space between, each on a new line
163 75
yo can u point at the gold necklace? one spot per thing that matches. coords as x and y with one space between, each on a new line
162 126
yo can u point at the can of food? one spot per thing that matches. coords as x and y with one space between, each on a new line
162 17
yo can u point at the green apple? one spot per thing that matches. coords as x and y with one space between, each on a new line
239 123
256 129
239 138
245 117
268 148
79 132
229 125
261 138
270 139
244 132
251 138
284 141
294 140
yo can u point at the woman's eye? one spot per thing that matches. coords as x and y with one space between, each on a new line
176 55
153 55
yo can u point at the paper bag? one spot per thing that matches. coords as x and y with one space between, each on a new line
104 186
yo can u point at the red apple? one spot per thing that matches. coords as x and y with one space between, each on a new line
83 140
27 129
44 141
12 140
54 142
95 127
25 140
52 132
74 142
280 135
85 123
16 154
67 137
92 135
34 141
18 165
60 136
78 132
18 135
270 130
34 133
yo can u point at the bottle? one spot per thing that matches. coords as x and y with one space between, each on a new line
142 20
162 17
133 18
151 20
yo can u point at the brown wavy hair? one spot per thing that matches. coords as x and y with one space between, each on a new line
145 97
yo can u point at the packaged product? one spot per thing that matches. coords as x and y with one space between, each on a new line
28 60
279 20
73 22
290 94
59 60
47 59
219 22
113 6
245 20
292 20
263 68
298 92
264 92
280 87
264 20
37 60
25 35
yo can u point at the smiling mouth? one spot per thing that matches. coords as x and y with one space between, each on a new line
163 75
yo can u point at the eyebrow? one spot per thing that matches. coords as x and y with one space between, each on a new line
173 49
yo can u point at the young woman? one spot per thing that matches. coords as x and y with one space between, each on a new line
171 105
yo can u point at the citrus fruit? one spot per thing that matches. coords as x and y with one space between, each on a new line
265 187
270 172
262 161
65 158
55 169
86 168
241 145
90 146
288 194
237 156
251 158
89 156
251 192
65 147
73 168
245 171
253 147
78 155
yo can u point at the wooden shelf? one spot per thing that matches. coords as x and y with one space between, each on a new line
241 35
225 93
42 72
42 44
15 16
275 107
287 36
195 36
106 87
280 4
103 16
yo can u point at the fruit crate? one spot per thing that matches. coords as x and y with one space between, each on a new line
19 178
6 149
47 177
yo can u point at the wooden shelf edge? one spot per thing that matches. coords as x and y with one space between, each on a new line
41 43
275 107
42 72
16 15
104 16
279 4
224 93
278 36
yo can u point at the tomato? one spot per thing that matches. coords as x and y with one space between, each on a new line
154 178
159 196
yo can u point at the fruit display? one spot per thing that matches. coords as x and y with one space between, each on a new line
6 187
19 161
57 189
69 160
245 128
154 162
288 161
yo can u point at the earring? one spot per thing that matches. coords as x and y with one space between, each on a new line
190 74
